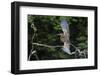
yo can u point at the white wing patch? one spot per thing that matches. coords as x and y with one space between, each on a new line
66 49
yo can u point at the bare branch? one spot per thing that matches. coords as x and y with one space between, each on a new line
46 45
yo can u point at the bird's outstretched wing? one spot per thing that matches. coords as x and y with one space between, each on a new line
64 25
65 28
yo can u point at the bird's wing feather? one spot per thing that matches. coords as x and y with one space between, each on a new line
64 25
65 28
65 49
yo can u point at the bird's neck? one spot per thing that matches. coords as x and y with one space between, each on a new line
66 45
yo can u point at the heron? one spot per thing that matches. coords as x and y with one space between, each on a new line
65 36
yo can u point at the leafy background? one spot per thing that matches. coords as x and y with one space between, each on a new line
47 28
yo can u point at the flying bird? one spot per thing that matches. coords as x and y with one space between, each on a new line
65 36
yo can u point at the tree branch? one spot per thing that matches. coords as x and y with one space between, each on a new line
46 45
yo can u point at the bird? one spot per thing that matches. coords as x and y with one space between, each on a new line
65 36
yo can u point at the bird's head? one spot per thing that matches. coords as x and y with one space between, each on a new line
62 37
